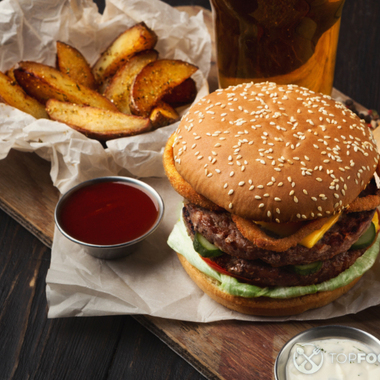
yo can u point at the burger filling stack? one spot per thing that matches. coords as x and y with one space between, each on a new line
280 197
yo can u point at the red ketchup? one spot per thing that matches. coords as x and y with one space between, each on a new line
108 213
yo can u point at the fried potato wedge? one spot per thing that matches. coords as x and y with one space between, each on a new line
70 61
182 94
163 114
118 90
135 39
43 82
10 73
12 94
97 123
156 80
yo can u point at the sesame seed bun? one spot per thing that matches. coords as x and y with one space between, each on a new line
264 306
274 153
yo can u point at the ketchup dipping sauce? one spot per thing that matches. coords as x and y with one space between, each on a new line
109 215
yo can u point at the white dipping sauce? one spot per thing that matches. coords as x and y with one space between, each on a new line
333 359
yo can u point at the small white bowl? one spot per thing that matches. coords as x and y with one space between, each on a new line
322 332
113 251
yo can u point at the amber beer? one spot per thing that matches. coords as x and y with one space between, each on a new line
284 41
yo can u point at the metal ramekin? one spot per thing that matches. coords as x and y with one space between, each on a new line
322 332
114 251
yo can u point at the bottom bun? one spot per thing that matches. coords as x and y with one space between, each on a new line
263 306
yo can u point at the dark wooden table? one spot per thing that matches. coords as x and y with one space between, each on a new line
33 347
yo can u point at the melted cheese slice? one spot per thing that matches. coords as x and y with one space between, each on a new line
287 229
310 240
375 220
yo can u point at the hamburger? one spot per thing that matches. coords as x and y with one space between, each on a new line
280 197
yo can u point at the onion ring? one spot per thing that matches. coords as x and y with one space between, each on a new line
256 235
179 184
366 203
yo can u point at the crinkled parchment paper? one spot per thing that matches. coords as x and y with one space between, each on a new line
151 281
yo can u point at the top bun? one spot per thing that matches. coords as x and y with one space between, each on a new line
275 153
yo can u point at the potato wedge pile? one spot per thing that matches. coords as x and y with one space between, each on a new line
129 90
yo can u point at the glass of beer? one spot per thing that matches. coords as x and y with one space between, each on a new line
282 41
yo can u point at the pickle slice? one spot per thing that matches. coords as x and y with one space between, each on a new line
366 239
204 247
305 269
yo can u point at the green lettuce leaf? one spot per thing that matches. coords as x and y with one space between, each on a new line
180 242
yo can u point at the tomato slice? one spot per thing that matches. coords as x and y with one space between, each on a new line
221 270
215 266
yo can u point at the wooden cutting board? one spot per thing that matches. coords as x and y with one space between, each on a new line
222 350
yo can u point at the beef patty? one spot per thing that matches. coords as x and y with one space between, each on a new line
262 267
